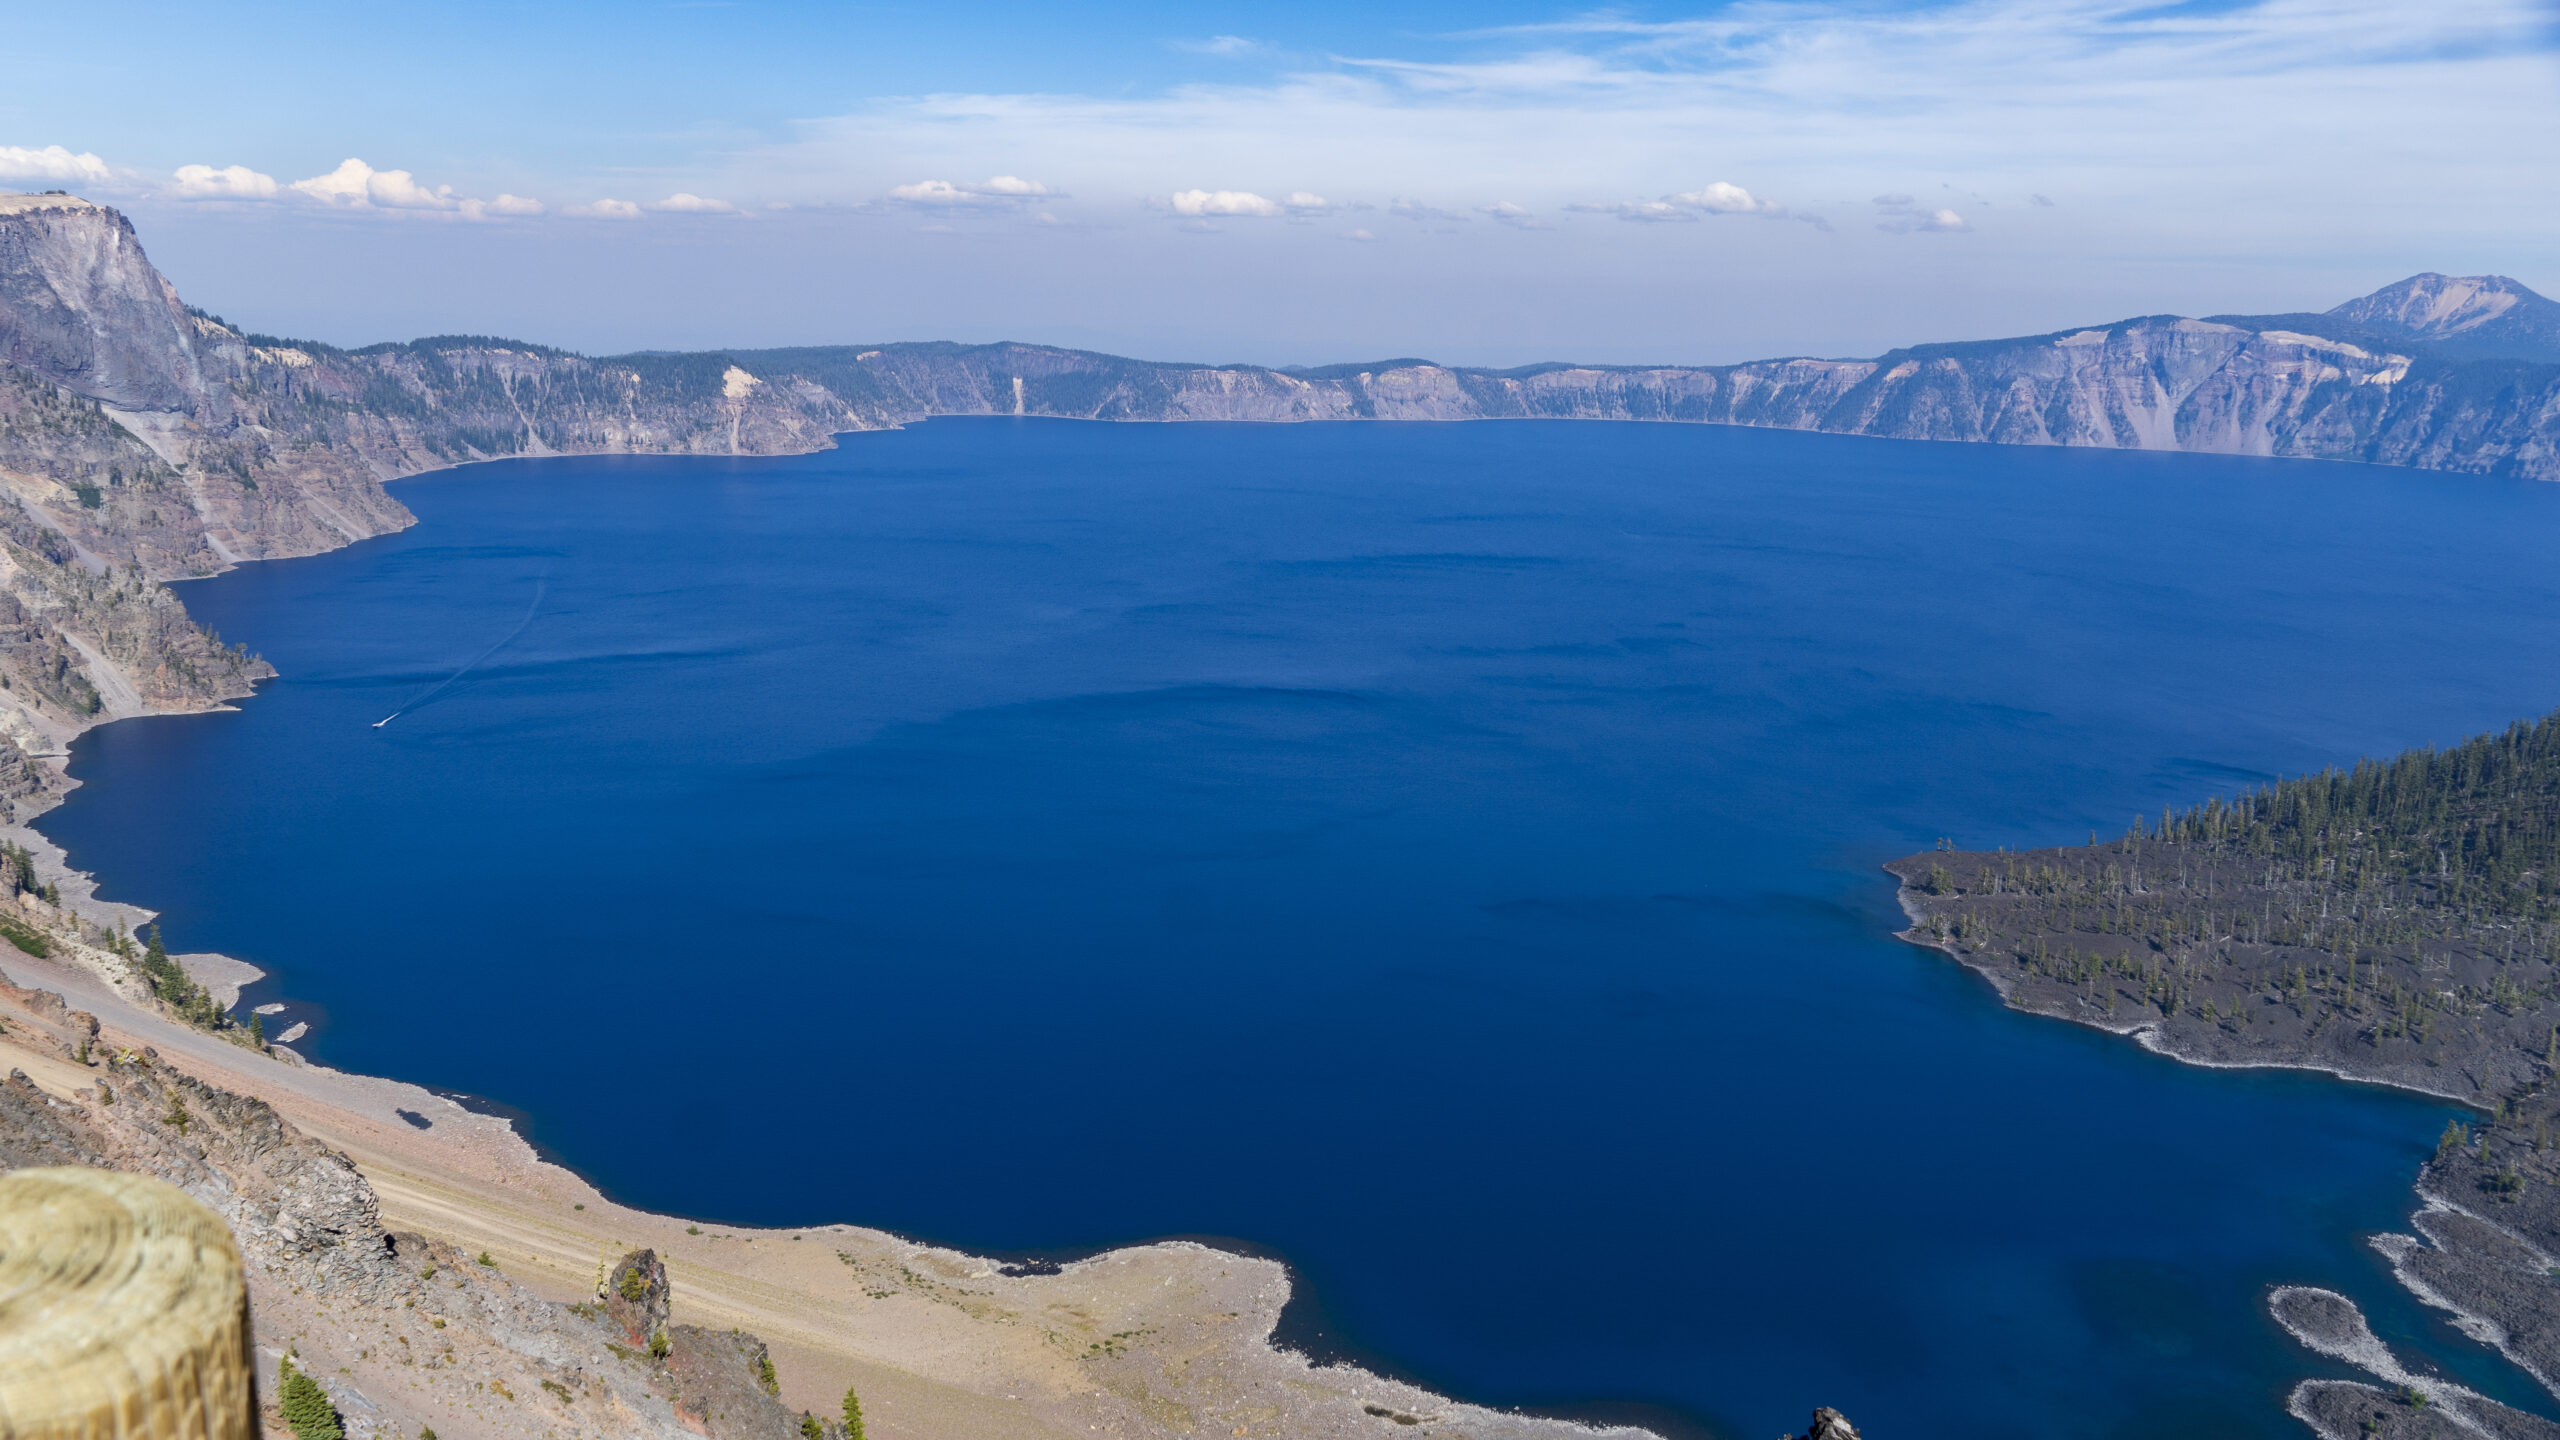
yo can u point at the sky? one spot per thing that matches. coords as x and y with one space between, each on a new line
1494 182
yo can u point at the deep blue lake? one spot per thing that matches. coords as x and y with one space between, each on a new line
1444 854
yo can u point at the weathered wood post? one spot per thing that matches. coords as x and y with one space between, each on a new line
123 1312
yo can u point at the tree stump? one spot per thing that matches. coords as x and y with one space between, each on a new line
123 1312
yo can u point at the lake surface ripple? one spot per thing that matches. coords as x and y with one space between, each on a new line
1443 854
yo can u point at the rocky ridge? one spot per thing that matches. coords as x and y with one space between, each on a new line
142 441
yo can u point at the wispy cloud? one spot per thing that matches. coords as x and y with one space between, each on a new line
682 203
1404 209
1905 215
1219 45
2133 109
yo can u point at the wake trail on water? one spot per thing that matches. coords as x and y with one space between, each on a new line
441 686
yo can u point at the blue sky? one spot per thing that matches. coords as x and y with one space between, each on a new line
1493 182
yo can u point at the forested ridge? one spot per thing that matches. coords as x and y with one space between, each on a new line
2476 824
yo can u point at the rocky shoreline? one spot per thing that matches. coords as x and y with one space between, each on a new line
2213 955
386 1226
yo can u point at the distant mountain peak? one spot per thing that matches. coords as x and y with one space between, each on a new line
2475 316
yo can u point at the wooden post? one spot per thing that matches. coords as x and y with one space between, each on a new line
123 1312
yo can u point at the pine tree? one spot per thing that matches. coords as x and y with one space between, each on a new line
852 1415
306 1406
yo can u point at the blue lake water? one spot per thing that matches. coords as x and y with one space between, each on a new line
1445 855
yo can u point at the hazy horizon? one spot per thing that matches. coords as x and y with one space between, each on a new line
1491 185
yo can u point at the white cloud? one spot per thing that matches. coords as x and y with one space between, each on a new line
1362 236
995 190
345 185
1302 202
231 182
53 163
1219 45
503 206
1723 199
1222 202
400 190
1904 215
1719 198
357 186
1505 212
607 210
931 192
1649 211
682 203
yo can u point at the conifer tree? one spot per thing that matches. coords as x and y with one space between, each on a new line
306 1406
852 1415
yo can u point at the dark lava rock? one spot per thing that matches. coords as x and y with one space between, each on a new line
1830 1424
635 1297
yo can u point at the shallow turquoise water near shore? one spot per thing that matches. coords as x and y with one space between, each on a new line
1443 854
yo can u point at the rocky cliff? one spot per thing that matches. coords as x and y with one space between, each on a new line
142 441
401 1331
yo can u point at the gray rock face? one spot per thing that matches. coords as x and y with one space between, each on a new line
2476 317
403 1331
1830 1424
718 1379
80 304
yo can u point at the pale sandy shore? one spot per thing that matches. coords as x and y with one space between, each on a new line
1169 1339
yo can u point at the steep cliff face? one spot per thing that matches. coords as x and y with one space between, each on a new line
2233 385
80 304
142 441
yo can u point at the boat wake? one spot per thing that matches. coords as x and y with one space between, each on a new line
474 663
